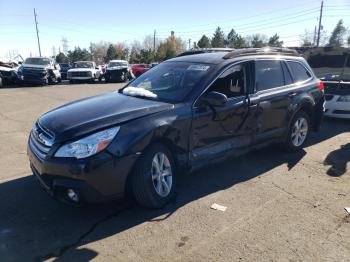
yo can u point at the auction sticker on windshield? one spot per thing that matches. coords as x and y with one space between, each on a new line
198 67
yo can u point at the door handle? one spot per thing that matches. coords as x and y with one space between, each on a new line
292 94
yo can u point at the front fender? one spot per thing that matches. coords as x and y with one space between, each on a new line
167 127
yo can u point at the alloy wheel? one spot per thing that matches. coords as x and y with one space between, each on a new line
161 174
300 131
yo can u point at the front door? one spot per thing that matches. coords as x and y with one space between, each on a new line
220 131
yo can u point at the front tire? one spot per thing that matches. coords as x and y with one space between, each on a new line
153 181
298 131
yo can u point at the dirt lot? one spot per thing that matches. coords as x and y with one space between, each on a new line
280 207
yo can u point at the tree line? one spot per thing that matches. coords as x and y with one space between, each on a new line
152 49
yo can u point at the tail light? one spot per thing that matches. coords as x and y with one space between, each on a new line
320 86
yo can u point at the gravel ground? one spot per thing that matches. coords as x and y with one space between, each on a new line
280 207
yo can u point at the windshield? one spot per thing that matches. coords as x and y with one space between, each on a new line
37 61
64 65
112 64
83 65
170 81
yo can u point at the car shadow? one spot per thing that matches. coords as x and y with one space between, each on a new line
35 227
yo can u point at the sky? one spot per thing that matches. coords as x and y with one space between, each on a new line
82 22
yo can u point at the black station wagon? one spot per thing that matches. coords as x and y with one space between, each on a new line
182 114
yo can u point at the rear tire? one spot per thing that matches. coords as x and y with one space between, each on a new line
298 131
153 185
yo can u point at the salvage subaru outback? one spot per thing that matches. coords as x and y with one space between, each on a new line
182 114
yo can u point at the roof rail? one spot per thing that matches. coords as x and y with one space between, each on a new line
205 50
261 51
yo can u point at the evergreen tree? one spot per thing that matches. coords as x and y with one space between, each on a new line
337 35
218 39
204 42
274 41
61 58
234 40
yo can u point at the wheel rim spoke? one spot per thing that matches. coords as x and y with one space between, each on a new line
161 174
299 132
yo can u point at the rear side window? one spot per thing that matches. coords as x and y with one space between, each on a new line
299 72
268 74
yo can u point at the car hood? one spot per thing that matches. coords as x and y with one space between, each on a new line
95 113
116 68
6 69
80 70
35 66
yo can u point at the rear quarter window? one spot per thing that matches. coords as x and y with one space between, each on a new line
299 72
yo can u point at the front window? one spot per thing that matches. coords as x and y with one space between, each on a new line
83 65
37 61
113 64
170 81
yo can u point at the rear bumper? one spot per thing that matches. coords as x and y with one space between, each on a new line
95 179
336 109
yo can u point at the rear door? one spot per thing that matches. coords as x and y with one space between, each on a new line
224 130
272 96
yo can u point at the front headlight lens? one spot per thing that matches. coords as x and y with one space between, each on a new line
344 99
89 145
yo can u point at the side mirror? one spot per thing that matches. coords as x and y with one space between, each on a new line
215 99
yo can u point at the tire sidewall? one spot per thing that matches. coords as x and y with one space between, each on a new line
144 172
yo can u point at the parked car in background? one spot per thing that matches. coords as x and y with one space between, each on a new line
118 70
332 65
185 113
84 71
39 70
64 69
8 73
153 64
139 69
1 83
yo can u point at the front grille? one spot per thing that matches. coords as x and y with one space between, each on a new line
79 74
328 97
33 72
40 142
341 112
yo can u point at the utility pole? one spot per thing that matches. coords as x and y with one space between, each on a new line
319 25
154 45
64 45
37 32
315 34
189 44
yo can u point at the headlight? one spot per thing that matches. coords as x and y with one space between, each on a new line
20 70
344 99
89 145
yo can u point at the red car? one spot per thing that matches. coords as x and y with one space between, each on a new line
139 69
